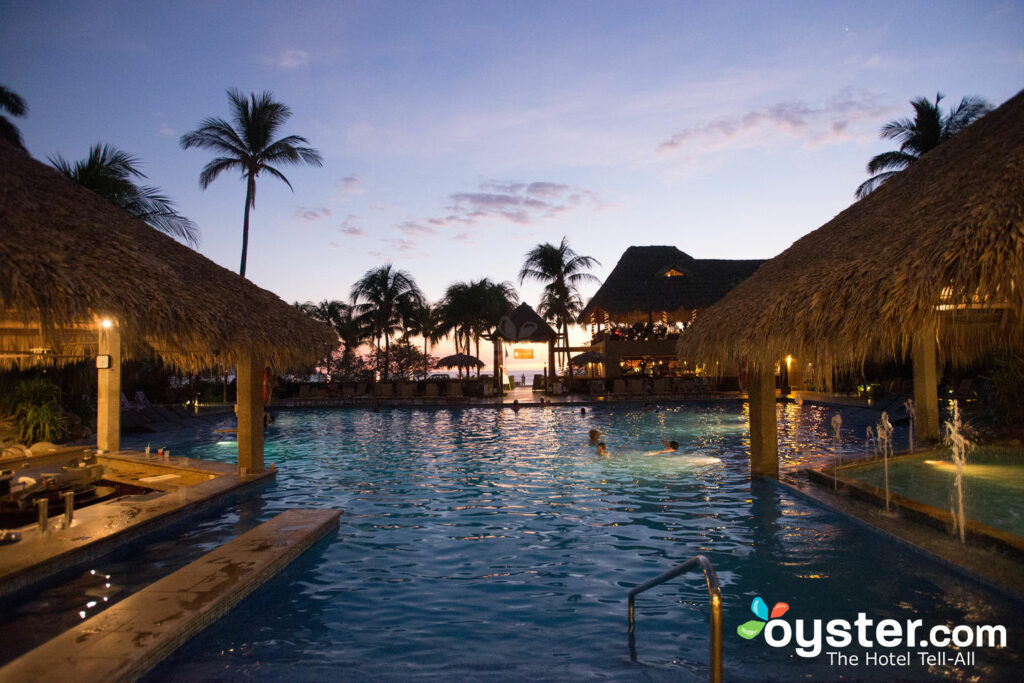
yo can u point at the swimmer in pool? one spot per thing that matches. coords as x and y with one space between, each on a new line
670 447
595 436
602 448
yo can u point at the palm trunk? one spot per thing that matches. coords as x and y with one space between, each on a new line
425 360
250 190
387 348
477 339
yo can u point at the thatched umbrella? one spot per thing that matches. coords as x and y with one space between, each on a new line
79 276
70 259
460 360
587 357
937 253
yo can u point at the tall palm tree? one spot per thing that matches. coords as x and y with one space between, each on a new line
112 174
379 297
562 271
249 146
425 321
13 104
333 313
926 131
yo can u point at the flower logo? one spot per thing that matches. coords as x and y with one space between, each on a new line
752 628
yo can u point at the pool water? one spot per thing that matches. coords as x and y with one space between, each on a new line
993 483
479 543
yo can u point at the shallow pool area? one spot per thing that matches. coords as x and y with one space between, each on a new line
491 543
993 483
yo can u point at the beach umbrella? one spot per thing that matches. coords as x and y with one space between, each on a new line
588 357
460 360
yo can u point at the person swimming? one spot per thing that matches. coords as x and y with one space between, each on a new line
602 448
595 436
670 447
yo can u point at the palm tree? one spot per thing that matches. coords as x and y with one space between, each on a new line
249 146
425 321
379 297
334 313
926 131
562 270
470 310
13 104
112 174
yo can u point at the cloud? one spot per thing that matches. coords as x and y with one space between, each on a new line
166 130
292 59
312 215
520 203
349 227
352 185
412 228
827 123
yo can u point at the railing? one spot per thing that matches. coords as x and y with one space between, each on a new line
714 597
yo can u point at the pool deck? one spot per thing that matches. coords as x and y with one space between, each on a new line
128 639
181 488
1001 571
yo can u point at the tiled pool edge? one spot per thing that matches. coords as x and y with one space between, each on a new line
130 638
989 568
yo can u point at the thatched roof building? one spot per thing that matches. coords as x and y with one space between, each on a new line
649 281
69 259
939 247
523 324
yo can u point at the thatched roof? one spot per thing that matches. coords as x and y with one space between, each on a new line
943 240
652 280
523 325
68 259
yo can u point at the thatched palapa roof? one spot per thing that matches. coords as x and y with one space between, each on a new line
652 280
524 325
69 259
941 244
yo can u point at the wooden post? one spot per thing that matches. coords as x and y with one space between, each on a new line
499 368
764 438
108 385
552 372
926 388
249 406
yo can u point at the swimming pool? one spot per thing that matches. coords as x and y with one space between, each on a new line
480 543
993 483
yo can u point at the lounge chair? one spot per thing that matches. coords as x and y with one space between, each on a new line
661 386
635 386
431 390
619 387
454 390
383 389
407 389
141 400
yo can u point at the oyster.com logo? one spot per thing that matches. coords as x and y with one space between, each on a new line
751 629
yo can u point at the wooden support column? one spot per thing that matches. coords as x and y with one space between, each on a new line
249 381
499 368
764 437
926 387
552 371
108 385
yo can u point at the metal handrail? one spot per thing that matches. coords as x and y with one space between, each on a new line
714 596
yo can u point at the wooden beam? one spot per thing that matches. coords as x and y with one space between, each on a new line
926 388
108 394
764 438
249 407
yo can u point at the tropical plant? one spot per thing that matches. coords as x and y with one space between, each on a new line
112 173
36 411
379 297
351 330
562 271
927 130
13 104
249 146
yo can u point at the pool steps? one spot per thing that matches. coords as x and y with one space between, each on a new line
128 639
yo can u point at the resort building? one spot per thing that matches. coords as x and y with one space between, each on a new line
652 295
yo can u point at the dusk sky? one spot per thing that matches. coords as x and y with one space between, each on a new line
457 135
